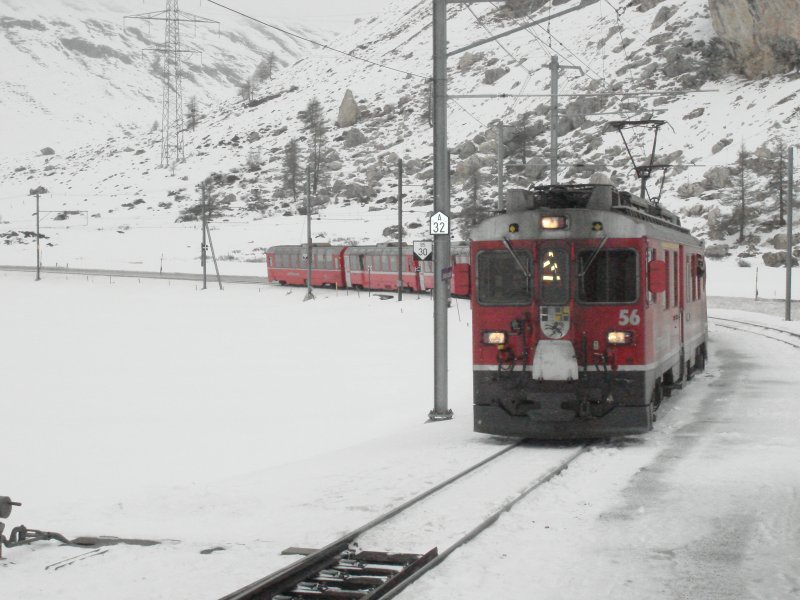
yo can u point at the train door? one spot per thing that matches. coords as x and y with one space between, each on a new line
554 355
672 311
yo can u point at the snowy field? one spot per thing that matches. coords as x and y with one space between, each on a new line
248 421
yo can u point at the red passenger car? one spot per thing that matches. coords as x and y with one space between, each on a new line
364 267
288 265
588 307
375 268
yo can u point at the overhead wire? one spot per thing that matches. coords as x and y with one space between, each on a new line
320 44
622 24
507 51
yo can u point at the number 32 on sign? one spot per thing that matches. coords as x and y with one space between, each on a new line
440 224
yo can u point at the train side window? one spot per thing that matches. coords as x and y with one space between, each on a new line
500 281
651 256
609 276
668 291
554 276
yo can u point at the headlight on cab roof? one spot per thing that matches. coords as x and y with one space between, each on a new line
620 338
553 222
496 338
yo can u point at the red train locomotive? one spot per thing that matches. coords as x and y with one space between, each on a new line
588 307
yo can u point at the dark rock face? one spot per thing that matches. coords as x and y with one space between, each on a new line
763 36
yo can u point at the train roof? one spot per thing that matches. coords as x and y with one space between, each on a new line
315 248
592 197
617 213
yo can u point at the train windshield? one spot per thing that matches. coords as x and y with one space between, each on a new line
608 276
554 279
501 281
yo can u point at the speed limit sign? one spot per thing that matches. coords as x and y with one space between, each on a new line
423 250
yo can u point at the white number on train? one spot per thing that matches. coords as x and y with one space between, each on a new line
629 317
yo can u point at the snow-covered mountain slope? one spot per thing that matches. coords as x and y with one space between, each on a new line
78 72
136 211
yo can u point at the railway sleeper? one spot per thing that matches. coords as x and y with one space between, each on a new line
348 575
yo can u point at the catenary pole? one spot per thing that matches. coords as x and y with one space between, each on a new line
400 230
309 294
441 202
554 66
37 192
789 244
38 251
501 205
203 245
553 120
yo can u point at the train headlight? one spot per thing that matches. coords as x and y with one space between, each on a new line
553 222
494 338
620 338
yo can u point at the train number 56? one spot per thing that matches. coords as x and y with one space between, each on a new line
629 317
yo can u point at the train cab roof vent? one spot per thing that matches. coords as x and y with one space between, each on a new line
594 196
640 208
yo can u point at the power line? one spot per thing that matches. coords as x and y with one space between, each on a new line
461 106
506 50
320 44
551 49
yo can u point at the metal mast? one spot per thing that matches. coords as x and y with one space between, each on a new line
172 99
172 123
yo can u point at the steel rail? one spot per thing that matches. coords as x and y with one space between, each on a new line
488 522
254 590
769 337
249 279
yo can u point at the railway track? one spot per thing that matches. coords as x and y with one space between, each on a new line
251 279
791 339
482 492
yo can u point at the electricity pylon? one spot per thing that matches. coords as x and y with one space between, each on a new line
172 124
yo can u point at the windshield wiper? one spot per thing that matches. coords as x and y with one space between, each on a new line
507 244
592 257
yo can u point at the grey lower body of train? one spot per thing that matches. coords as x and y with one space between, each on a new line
597 405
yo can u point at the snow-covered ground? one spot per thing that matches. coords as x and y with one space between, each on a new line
250 421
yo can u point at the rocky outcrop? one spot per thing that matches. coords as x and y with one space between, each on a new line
717 251
348 111
492 75
468 59
763 36
777 259
353 138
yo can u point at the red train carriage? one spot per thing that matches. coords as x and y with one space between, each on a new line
588 306
375 268
364 267
459 261
289 265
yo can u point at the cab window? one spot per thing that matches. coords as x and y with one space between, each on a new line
501 280
608 276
